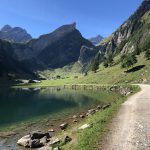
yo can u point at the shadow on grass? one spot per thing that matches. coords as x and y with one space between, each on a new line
137 68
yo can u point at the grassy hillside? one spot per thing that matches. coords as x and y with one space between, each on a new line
110 75
115 74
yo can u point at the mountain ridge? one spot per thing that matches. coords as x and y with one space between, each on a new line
14 34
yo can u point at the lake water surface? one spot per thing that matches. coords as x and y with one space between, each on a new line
24 110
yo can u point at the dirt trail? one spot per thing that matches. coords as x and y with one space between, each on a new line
130 129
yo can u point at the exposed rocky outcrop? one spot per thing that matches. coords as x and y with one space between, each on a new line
86 55
16 34
132 34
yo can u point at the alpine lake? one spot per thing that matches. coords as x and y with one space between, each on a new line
24 110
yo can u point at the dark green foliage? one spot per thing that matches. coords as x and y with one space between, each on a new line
95 65
105 64
128 60
146 44
147 54
85 74
108 60
58 76
137 51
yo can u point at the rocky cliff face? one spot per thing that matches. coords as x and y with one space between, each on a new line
64 48
9 63
132 34
16 34
86 55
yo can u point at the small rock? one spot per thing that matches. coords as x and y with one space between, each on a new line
63 126
106 106
84 126
67 139
74 117
54 141
91 111
24 141
99 107
128 93
75 121
82 116
51 130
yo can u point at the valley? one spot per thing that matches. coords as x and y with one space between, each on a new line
62 91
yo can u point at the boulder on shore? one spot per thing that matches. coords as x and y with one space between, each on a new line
35 139
106 106
63 126
35 143
39 135
24 141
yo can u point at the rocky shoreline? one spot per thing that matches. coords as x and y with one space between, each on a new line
48 141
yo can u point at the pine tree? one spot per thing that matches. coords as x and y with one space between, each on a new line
95 65
128 61
108 60
147 54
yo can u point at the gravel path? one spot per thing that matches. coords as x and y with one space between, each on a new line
130 129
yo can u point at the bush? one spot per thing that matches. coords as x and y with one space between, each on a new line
147 54
58 76
108 60
128 60
95 65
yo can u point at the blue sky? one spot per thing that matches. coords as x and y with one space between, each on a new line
43 16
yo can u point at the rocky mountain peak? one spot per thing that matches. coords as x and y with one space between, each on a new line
6 28
45 40
96 40
66 28
16 34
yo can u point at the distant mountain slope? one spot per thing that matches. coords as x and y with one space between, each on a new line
16 34
96 40
9 64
